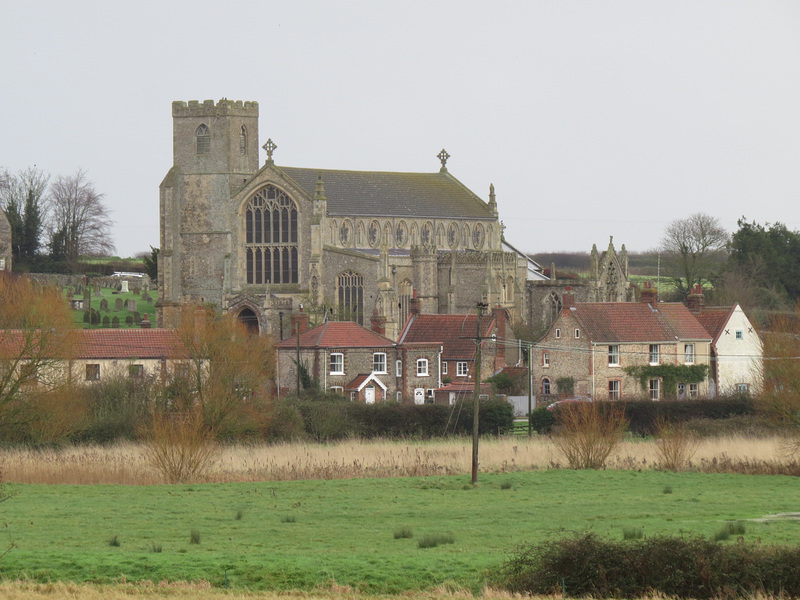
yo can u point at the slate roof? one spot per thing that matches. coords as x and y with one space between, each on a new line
452 331
637 322
714 318
338 334
387 194
110 343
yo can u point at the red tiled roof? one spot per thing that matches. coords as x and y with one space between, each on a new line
338 334
456 333
108 343
130 343
633 322
714 318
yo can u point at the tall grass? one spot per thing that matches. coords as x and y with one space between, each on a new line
126 463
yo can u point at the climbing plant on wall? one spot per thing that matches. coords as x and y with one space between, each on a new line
670 375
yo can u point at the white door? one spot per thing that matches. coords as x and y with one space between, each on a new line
419 395
369 394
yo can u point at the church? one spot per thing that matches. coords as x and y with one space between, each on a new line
265 241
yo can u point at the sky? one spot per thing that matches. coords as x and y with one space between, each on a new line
591 118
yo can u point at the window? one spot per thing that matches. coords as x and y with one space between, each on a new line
379 362
136 370
739 334
92 372
577 334
654 354
271 237
742 388
681 390
182 371
422 367
337 363
545 359
545 386
203 135
688 354
461 369
444 368
398 368
243 141
351 297
613 389
399 396
337 389
558 333
352 396
694 390
654 389
613 355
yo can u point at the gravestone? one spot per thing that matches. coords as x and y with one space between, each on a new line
97 291
106 321
104 304
130 304
79 289
136 290
115 322
124 287
129 320
118 304
147 298
137 318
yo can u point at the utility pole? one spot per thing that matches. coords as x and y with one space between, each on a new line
477 394
297 366
530 390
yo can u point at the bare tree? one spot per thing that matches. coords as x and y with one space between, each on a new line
694 250
79 222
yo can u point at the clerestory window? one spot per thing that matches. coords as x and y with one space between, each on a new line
203 135
271 237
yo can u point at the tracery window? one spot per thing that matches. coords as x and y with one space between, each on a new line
350 287
427 233
345 233
478 236
374 234
452 236
271 237
203 135
401 234
440 236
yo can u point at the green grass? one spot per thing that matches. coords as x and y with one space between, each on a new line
344 528
142 307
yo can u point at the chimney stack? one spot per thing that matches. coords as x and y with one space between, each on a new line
378 323
414 305
568 297
696 300
649 294
301 319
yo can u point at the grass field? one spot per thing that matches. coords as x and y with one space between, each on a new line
303 534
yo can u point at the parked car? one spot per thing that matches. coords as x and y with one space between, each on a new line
571 400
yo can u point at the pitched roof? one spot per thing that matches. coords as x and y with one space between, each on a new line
714 318
456 333
386 194
632 322
111 343
338 334
130 343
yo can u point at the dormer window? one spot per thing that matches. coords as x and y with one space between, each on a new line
203 135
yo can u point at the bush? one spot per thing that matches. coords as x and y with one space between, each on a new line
542 420
675 567
675 445
643 415
587 432
436 539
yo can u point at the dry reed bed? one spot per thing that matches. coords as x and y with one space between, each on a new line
125 463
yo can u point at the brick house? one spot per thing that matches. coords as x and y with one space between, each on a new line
736 349
590 344
345 357
91 355
456 334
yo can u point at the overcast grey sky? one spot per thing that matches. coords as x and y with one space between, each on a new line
592 118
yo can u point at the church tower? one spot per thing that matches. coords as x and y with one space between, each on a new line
215 152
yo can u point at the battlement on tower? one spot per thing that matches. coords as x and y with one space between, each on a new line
224 107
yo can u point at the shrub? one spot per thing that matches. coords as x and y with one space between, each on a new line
288 519
542 420
156 548
114 542
587 432
675 445
180 446
436 539
642 415
587 565
632 533
403 533
194 536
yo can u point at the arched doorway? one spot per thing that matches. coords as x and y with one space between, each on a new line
250 320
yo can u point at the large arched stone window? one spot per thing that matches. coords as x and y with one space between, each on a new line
203 136
552 308
350 286
405 292
271 237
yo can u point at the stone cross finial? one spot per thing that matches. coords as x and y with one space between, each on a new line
270 147
502 230
443 156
